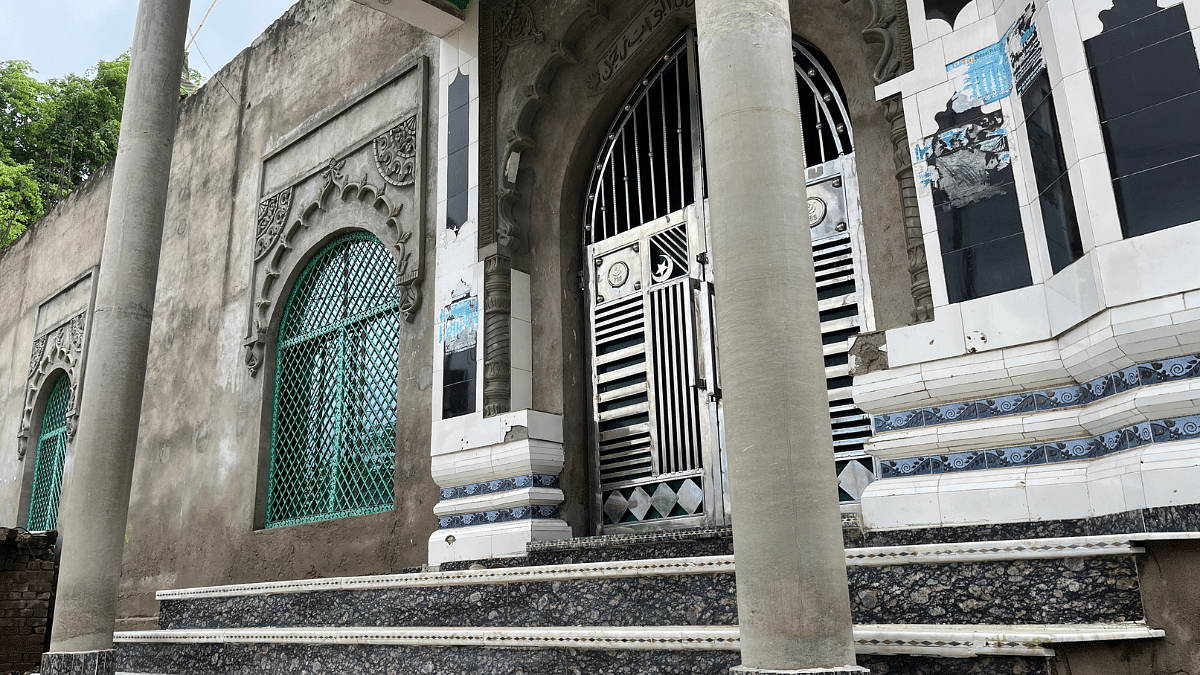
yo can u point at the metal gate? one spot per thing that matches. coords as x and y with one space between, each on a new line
658 456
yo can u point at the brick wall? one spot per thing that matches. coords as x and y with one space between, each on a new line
28 574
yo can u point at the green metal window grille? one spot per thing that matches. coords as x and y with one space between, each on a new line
333 431
48 462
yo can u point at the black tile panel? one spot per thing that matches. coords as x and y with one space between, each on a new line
1146 77
1160 198
1152 29
1154 136
1061 224
987 269
981 221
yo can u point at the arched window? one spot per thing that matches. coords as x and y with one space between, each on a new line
333 431
48 462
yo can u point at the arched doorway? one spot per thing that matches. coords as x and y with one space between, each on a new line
657 449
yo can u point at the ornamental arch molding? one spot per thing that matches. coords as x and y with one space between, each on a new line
375 183
57 352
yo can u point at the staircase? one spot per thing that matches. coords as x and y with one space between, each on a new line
603 606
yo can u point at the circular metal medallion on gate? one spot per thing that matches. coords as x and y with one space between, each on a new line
816 211
618 274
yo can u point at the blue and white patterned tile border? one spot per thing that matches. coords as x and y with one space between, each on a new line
1091 447
497 516
1141 375
502 485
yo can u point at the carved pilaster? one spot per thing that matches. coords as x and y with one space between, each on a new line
497 371
488 73
914 241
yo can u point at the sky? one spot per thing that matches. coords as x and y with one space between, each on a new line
59 37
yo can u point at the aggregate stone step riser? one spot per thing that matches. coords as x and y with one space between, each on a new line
1032 591
280 659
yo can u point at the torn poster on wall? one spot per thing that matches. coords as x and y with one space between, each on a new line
967 160
988 75
1024 49
981 78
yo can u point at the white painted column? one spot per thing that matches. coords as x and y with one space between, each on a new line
793 602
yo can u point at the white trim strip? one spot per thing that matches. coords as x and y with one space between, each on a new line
1014 549
923 639
599 637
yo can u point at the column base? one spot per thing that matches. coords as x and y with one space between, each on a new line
80 663
843 669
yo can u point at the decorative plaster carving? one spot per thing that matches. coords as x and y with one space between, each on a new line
514 24
404 243
868 353
396 153
889 27
497 372
914 240
639 30
272 214
60 349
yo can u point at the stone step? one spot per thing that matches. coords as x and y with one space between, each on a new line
1077 580
589 649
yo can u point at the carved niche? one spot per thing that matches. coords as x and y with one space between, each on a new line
60 349
376 184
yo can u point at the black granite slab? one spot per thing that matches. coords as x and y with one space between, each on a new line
694 599
1069 590
79 663
297 659
980 665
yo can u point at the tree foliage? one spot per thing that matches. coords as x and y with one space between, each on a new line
55 134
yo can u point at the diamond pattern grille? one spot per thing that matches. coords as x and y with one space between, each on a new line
48 463
333 438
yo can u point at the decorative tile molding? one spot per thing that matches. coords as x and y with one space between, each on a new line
1089 447
502 485
995 640
588 637
1030 549
497 516
1126 379
926 639
629 539
509 575
1062 547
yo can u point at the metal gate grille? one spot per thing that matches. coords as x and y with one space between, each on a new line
333 438
48 463
837 302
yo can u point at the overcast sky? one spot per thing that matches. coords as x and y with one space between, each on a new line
59 37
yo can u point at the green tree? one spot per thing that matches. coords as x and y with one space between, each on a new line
55 134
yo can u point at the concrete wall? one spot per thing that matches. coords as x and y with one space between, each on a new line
205 421
64 244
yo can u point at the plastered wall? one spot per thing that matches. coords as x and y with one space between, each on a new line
195 514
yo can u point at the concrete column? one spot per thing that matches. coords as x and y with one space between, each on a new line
95 503
793 603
